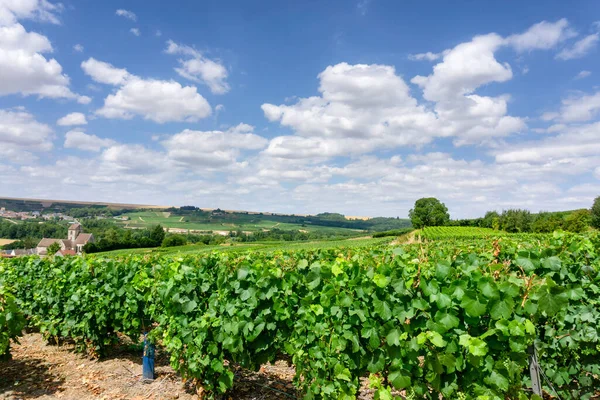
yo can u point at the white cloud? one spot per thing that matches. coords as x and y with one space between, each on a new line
597 174
77 139
213 148
20 130
127 14
39 10
78 48
580 108
200 69
158 33
72 119
25 70
573 143
135 31
465 68
156 100
542 36
103 72
133 159
580 48
429 56
583 74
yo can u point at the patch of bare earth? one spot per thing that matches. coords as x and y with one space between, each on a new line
39 370
410 238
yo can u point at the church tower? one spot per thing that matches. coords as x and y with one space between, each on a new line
74 231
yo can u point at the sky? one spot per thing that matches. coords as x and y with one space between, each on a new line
352 106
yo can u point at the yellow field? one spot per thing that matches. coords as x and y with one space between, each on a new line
6 241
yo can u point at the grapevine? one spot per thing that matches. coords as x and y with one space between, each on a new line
451 318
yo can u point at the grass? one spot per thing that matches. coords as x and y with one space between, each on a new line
266 246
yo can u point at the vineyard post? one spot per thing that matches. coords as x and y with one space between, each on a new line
148 359
534 371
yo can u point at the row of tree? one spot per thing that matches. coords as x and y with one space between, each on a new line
432 212
31 229
118 238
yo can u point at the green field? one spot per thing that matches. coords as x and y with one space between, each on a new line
145 219
263 246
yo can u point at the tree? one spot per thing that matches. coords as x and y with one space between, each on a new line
157 235
491 220
595 213
546 222
174 240
429 211
578 221
516 221
53 248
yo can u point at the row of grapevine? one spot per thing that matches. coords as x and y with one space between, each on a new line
436 319
446 232
12 321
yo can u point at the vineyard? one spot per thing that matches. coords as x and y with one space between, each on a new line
450 232
451 318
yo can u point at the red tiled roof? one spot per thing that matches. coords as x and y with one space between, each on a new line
68 252
75 226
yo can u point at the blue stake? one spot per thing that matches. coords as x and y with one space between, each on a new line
148 360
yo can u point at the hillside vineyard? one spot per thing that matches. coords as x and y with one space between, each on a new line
454 318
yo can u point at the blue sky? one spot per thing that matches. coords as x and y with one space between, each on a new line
359 107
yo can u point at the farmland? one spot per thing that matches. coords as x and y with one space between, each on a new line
145 219
451 317
262 246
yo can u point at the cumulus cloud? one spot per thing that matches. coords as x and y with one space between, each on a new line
135 31
20 130
77 139
72 119
576 108
200 69
39 10
212 148
24 68
127 14
580 48
156 100
103 72
78 48
361 107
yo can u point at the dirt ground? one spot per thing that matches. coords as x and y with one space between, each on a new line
42 371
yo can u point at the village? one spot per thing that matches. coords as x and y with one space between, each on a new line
72 245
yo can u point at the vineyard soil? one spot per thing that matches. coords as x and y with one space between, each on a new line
42 371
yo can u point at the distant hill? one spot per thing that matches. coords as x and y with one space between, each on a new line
23 204
205 215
